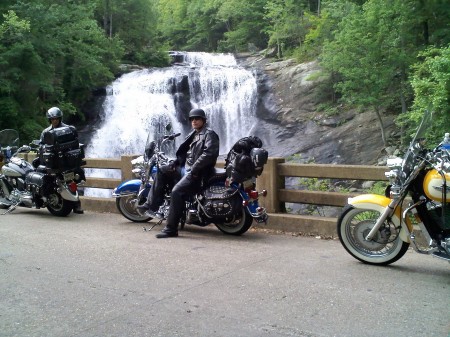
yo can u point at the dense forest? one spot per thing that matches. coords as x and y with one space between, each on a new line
389 56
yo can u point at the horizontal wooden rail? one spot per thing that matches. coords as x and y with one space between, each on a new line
357 172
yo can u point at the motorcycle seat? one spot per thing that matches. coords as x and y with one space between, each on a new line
218 175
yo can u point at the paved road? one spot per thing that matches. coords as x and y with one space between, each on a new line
100 275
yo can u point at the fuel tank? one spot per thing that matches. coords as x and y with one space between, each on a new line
17 167
433 185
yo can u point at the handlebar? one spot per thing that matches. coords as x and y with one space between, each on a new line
172 136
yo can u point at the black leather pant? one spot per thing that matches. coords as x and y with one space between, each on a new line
185 188
163 182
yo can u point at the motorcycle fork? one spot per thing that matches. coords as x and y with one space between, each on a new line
387 213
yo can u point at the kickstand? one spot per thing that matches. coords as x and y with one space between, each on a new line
145 229
11 208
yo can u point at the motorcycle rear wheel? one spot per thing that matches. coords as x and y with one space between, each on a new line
237 227
126 207
59 206
353 226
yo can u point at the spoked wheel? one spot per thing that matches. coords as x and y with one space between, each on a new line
239 226
385 248
127 207
59 206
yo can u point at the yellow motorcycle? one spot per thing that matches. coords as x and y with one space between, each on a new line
415 209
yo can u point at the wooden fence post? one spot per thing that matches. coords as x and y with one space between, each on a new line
270 180
126 167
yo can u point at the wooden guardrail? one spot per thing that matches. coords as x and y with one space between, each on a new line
272 180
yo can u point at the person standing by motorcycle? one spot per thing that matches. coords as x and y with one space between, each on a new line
198 156
55 116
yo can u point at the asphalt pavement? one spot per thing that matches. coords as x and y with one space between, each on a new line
98 274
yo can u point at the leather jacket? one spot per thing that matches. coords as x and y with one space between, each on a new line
202 147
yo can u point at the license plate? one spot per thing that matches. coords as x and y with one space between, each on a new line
69 176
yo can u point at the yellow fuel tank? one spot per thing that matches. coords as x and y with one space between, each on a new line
433 184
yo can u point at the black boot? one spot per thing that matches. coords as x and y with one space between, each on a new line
77 209
167 233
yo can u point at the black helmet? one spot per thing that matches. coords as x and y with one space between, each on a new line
197 113
54 113
259 157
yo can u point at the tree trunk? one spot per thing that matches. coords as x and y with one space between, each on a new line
380 121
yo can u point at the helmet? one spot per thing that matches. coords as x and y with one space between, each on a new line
197 113
54 113
259 157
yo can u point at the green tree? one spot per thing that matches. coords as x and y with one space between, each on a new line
431 85
245 25
51 54
134 22
372 51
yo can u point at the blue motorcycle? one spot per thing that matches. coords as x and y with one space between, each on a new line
228 199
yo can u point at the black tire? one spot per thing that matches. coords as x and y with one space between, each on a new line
237 227
353 226
4 202
127 207
59 206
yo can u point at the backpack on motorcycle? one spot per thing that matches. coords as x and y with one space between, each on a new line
61 149
246 159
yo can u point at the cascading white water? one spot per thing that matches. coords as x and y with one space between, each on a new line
140 103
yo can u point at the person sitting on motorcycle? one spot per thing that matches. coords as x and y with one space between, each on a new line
55 116
198 155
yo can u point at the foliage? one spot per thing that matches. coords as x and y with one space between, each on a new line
387 56
431 85
373 49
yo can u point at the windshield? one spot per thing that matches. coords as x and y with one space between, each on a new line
154 140
9 137
416 144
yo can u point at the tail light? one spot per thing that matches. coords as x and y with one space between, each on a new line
72 187
253 194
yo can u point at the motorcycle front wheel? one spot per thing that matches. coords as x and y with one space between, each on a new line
59 206
237 227
385 248
127 207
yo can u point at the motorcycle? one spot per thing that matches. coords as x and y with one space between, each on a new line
52 181
230 205
415 210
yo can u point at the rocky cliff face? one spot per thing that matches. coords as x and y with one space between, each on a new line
291 123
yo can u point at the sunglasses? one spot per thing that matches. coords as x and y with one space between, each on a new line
195 119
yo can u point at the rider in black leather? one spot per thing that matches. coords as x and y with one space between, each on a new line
198 154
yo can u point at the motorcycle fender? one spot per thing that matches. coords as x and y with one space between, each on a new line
379 203
127 187
63 190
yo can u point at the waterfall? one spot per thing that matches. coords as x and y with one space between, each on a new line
141 103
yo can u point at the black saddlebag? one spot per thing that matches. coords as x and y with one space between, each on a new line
34 182
222 203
